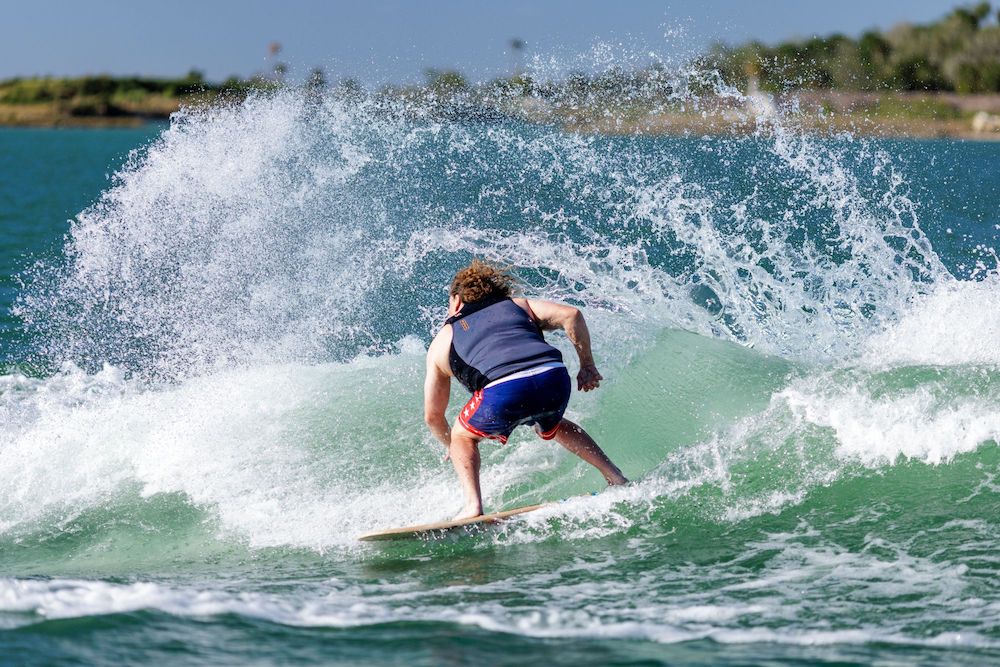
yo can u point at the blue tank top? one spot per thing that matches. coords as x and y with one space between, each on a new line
492 339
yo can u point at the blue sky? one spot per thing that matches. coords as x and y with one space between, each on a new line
394 41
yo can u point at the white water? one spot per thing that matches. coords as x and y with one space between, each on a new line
248 278
628 609
313 455
239 329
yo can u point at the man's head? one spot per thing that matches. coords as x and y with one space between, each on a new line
480 280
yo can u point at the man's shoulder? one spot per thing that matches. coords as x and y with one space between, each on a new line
523 303
443 334
441 341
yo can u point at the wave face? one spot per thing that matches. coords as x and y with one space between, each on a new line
285 229
226 385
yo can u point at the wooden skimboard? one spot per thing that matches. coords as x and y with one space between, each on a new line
410 532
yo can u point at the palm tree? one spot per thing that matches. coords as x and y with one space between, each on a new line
280 69
517 48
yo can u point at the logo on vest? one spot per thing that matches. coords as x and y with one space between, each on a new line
465 325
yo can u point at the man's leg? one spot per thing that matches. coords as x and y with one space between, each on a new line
576 440
464 453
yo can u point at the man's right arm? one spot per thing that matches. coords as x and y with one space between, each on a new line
551 315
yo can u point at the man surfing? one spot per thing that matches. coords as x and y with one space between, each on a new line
493 345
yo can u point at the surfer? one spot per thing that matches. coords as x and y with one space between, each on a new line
492 343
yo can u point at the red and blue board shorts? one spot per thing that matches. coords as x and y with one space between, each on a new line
537 396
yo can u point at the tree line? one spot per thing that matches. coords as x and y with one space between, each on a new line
35 90
960 53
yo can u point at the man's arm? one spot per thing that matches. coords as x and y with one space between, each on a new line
437 387
551 315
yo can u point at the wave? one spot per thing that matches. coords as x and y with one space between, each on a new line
284 229
238 325
308 457
692 616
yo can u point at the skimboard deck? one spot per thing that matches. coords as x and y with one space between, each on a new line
410 532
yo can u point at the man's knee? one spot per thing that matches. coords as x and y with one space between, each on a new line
552 432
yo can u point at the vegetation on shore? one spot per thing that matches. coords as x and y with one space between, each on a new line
958 53
111 100
914 80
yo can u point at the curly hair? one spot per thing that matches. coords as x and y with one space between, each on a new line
481 280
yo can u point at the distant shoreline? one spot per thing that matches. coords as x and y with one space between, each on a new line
106 101
894 114
888 114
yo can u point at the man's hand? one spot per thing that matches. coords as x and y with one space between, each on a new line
588 378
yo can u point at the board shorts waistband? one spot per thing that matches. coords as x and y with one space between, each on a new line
534 370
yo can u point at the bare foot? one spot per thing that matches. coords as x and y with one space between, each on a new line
620 480
469 513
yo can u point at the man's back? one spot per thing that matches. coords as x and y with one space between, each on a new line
493 340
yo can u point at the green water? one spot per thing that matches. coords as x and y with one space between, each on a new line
48 177
213 385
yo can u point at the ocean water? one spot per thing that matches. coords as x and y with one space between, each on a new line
212 353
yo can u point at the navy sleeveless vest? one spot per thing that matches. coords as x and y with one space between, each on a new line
492 339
